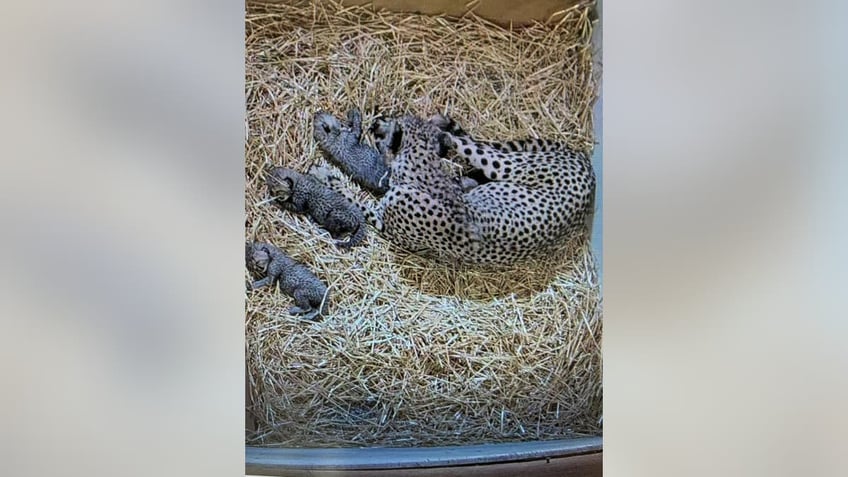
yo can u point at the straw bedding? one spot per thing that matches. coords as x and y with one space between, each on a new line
414 353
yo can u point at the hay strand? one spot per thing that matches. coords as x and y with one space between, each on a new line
413 353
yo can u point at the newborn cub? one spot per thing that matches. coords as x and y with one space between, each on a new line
342 147
303 194
294 279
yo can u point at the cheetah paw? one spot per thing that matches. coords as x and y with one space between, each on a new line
305 314
440 121
446 124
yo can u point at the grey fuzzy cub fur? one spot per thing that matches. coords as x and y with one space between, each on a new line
270 266
342 147
303 194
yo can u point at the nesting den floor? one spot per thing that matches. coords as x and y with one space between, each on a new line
413 353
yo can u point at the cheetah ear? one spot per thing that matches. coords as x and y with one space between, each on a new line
397 139
444 144
290 182
377 125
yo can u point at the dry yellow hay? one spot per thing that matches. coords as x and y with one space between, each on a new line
414 353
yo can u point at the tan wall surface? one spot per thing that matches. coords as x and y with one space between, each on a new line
500 11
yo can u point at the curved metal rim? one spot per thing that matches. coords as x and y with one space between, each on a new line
269 461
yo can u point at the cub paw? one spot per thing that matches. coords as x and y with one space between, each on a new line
305 314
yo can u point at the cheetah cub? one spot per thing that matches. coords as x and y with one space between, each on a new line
303 194
342 147
294 279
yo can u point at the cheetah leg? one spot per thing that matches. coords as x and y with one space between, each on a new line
529 144
309 314
356 232
370 209
494 164
301 299
354 119
373 214
260 283
447 125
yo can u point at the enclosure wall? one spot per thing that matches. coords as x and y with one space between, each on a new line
500 11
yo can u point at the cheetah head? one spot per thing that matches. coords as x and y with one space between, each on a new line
257 258
280 182
387 135
394 134
327 130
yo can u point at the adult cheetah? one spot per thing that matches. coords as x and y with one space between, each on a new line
535 194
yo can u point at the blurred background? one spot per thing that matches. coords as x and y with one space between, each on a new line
724 222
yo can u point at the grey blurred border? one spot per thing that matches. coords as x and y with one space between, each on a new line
724 210
122 208
598 152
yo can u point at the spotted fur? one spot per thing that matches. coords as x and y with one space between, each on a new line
536 193
303 194
269 266
342 147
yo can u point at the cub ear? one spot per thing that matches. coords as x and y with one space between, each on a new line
286 188
280 180
354 115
